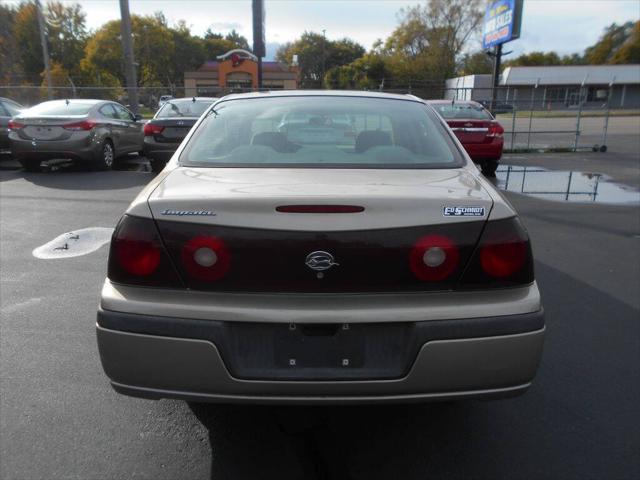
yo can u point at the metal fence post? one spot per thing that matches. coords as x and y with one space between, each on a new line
603 144
513 124
533 94
580 102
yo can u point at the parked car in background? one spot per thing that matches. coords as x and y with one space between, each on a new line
8 109
498 107
478 131
261 266
93 132
166 130
164 99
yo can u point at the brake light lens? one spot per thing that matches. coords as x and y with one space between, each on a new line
206 258
503 257
434 258
320 209
137 255
153 129
495 130
85 125
13 125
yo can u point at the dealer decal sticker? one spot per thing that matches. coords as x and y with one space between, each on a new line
463 212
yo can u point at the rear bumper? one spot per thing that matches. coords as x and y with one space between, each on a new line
83 149
158 151
157 357
485 151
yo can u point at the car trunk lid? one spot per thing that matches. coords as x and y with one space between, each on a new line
271 248
470 131
173 130
50 128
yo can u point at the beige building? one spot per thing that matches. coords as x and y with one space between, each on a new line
237 70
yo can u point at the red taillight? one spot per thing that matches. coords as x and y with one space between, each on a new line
433 258
152 129
85 125
320 209
503 257
13 125
206 258
495 130
137 255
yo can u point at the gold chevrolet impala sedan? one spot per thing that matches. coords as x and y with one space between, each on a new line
320 247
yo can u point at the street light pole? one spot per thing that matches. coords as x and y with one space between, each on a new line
324 41
127 50
45 49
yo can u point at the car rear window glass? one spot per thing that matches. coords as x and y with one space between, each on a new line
61 108
463 111
187 108
332 131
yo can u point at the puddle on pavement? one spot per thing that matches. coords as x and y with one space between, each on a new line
74 244
565 186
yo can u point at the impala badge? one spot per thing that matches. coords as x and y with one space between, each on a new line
320 261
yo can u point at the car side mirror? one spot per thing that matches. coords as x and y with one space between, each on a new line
137 117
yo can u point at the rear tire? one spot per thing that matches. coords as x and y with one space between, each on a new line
157 165
489 168
106 156
31 165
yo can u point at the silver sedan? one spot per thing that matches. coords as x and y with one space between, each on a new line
94 132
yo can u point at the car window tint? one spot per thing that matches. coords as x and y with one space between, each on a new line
322 131
185 108
108 111
61 108
3 111
462 111
12 109
122 113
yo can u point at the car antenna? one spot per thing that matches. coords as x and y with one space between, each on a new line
66 101
193 99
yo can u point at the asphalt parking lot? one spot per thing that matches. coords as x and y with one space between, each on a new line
60 419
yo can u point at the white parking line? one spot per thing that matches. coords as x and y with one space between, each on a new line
75 243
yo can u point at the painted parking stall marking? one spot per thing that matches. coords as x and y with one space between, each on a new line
74 244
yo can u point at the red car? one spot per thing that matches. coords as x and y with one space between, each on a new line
478 131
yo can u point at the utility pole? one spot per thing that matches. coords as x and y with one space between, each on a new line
45 49
259 49
127 50
324 42
497 59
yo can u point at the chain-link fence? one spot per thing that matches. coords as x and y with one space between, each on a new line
534 118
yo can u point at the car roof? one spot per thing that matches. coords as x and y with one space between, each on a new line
321 93
197 99
455 102
90 101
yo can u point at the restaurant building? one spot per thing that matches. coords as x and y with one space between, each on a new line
237 71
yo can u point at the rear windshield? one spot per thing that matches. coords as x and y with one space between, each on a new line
317 131
462 111
186 108
61 108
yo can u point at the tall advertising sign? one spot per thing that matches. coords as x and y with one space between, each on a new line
502 22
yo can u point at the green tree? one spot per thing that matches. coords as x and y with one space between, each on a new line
27 40
10 70
66 34
475 64
317 55
629 51
613 39
534 59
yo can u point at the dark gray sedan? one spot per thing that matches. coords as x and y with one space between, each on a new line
171 123
94 132
8 109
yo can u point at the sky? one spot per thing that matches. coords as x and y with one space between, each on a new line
565 26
